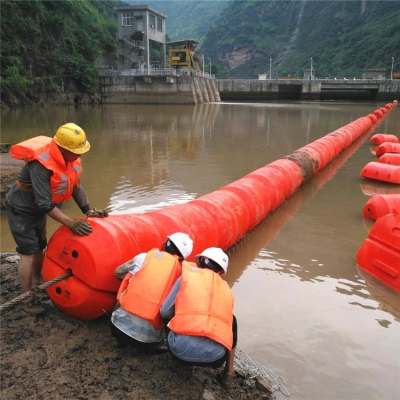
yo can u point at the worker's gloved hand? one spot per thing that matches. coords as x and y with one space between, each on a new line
79 227
97 213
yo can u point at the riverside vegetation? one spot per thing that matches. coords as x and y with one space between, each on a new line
52 48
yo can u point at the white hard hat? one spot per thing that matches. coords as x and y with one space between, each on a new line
217 255
183 243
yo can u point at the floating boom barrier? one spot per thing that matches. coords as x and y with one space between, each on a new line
390 158
388 147
379 205
381 138
218 219
379 255
381 172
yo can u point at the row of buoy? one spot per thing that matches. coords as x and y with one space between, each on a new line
379 255
218 219
386 170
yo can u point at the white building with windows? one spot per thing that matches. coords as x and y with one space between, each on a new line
141 35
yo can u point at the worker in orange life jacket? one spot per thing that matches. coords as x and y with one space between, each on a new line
202 330
50 176
149 278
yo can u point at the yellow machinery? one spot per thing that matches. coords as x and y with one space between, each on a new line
182 55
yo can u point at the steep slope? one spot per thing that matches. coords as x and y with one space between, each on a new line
188 19
342 37
51 47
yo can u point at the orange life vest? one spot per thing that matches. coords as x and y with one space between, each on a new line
143 293
204 306
45 150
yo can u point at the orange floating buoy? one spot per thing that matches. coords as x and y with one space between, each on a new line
220 219
90 292
382 204
390 158
394 101
380 138
388 147
372 117
379 255
378 113
381 172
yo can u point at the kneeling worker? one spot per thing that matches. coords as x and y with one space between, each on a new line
202 330
149 278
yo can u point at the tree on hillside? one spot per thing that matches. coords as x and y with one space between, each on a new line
53 46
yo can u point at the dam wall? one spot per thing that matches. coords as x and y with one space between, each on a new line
317 89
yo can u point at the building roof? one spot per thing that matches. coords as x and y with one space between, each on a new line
140 8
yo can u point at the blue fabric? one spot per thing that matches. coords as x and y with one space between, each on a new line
195 349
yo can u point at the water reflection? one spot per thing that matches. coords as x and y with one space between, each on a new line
251 246
370 187
388 300
300 301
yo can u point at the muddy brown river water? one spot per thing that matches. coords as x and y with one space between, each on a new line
304 308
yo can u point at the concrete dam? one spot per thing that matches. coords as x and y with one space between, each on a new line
316 89
172 89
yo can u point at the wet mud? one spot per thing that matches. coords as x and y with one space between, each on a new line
54 356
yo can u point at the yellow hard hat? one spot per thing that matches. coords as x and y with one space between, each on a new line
72 138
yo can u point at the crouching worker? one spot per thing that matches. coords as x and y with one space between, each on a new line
202 330
148 280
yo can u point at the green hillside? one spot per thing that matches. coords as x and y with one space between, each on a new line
51 47
188 19
342 37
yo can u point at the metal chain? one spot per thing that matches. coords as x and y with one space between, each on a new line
19 299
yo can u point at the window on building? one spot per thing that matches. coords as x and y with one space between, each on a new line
127 19
159 24
152 21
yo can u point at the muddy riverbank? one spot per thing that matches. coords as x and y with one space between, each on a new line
54 356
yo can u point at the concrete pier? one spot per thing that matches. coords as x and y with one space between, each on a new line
299 89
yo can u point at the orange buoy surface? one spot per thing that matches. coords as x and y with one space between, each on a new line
381 172
218 219
388 147
379 255
390 158
382 204
372 117
380 138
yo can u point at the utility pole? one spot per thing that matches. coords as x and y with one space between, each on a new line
270 68
210 65
391 73
311 70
